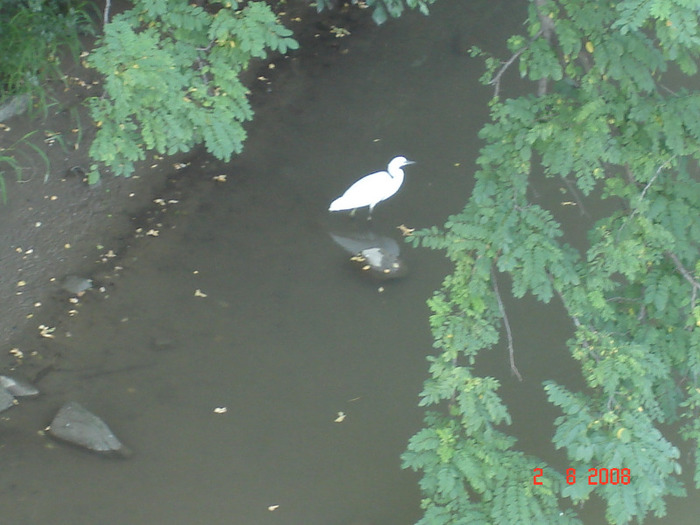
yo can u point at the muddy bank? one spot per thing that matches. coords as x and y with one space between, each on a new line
53 224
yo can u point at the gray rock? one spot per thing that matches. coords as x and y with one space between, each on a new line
14 106
380 263
17 387
78 426
7 400
76 285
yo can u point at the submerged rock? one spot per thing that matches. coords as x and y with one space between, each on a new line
78 426
380 263
76 285
7 400
17 387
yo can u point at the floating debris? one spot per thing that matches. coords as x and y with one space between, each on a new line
46 331
17 387
76 285
78 426
405 230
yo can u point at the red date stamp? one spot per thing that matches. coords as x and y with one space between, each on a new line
596 476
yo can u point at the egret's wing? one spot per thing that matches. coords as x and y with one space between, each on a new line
370 189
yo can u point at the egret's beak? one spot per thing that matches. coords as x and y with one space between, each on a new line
409 162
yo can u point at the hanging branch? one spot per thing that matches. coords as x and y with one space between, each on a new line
496 80
687 276
547 25
651 181
105 15
574 319
511 351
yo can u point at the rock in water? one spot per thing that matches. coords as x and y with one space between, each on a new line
7 400
380 263
76 425
76 285
17 387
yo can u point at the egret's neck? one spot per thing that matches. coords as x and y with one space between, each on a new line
396 174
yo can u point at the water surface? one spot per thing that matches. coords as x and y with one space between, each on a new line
225 349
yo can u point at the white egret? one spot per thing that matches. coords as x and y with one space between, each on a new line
373 188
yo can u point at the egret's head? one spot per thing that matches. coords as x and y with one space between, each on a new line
399 162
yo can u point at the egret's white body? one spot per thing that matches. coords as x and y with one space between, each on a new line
373 188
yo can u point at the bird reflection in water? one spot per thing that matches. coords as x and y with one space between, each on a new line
375 254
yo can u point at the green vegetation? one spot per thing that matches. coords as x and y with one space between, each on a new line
383 9
171 69
32 32
172 77
606 123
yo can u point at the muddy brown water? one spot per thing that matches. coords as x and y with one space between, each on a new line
224 351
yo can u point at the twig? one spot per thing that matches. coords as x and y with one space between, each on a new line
574 319
105 17
575 195
687 275
496 80
511 351
641 197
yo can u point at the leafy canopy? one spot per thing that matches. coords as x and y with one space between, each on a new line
172 77
605 123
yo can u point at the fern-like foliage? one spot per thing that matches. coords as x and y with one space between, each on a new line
172 78
604 123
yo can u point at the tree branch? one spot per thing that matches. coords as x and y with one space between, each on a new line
105 14
574 319
687 276
511 351
547 26
644 191
496 80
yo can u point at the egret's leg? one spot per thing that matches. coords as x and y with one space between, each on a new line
352 213
369 217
